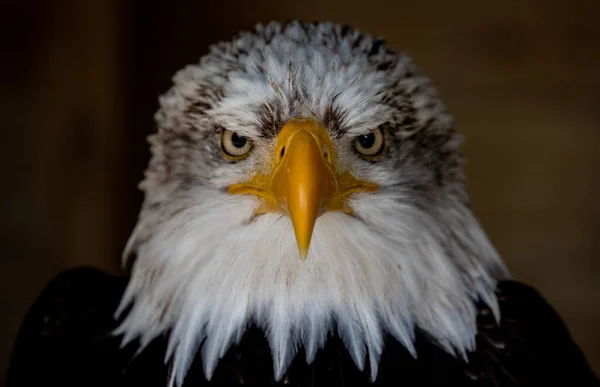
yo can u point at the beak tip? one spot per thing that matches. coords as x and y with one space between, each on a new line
303 254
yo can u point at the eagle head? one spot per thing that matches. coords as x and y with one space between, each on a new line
305 179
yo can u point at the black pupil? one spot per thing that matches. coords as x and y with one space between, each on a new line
367 140
238 141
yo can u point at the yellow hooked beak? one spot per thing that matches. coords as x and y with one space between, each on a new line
304 180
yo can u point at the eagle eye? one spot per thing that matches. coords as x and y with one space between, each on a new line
234 145
370 145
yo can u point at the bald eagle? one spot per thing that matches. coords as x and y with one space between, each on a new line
305 223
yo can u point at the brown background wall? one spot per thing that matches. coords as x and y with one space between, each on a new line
80 82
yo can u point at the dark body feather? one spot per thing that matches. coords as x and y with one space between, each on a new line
66 340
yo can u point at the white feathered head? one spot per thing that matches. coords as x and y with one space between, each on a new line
307 180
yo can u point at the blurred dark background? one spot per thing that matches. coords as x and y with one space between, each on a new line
79 87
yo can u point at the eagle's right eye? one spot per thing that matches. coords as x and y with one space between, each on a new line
234 145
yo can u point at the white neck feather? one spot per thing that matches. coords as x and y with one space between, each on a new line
209 271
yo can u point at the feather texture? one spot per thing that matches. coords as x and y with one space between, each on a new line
224 274
65 340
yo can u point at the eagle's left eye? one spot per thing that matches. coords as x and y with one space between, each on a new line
234 145
371 144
